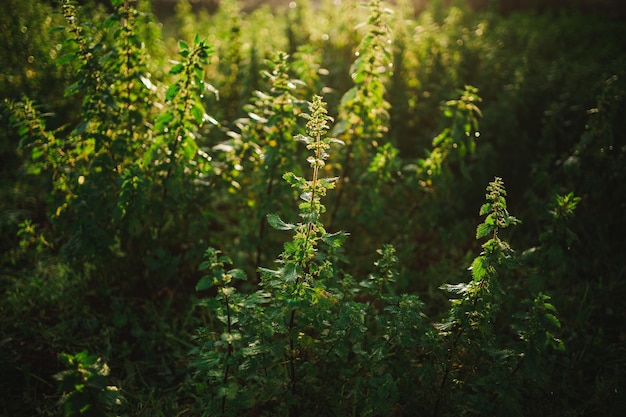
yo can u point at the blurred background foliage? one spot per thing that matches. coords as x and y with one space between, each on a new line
550 86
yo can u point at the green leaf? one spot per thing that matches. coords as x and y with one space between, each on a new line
276 222
552 319
237 274
172 91
334 239
205 283
190 148
484 230
197 111
163 120
290 272
177 69
479 268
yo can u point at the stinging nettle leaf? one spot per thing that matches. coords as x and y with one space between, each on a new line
552 319
172 91
276 222
290 272
484 230
177 69
197 111
238 274
205 283
334 239
479 268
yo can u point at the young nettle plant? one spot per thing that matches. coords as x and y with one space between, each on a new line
363 117
264 358
483 350
454 143
85 387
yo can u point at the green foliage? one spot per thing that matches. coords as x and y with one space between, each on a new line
122 156
128 145
308 314
85 387
257 361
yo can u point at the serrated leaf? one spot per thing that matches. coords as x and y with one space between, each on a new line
237 274
334 239
553 320
290 272
197 111
177 69
205 283
549 307
486 208
172 91
479 268
276 222
190 148
484 230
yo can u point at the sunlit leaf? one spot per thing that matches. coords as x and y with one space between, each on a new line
197 112
479 268
177 69
290 272
172 91
484 230
276 222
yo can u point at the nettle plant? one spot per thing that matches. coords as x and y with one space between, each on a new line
127 176
363 116
313 340
255 362
260 148
85 387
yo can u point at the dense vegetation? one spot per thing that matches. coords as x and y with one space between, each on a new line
324 209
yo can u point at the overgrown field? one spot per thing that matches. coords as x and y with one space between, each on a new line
323 209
